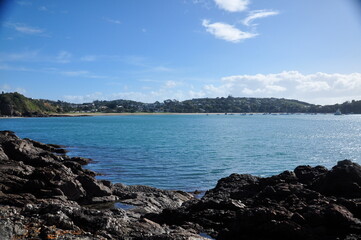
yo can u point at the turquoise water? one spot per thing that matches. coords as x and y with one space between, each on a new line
190 152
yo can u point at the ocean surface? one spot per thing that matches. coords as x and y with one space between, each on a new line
191 152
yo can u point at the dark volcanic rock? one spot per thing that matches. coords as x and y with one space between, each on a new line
43 194
149 199
344 180
309 203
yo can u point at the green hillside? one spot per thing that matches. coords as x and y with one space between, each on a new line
16 104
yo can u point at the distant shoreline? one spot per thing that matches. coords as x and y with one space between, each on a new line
150 114
107 114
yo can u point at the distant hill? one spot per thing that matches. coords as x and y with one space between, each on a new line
238 105
15 104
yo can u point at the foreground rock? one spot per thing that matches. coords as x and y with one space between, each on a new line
309 203
45 194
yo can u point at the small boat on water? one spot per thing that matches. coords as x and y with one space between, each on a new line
338 112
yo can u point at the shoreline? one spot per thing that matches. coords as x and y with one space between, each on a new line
156 114
107 114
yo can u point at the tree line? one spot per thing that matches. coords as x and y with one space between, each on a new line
15 104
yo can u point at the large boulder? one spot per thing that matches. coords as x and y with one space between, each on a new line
344 180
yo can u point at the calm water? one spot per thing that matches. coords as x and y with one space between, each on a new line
191 152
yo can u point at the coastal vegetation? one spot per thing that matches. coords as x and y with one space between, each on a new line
16 104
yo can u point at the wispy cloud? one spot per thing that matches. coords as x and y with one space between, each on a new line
64 57
85 98
253 15
24 3
85 74
89 58
134 60
161 69
226 32
145 64
147 97
204 3
233 5
23 28
75 73
115 21
43 8
20 56
171 84
7 88
232 33
7 67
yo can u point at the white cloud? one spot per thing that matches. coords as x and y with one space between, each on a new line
83 99
232 5
171 84
313 86
115 21
23 28
226 32
253 15
64 57
320 88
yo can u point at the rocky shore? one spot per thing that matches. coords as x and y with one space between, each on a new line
45 194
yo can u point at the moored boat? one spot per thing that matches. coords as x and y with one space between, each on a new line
338 112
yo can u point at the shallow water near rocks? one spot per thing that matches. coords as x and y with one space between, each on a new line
191 152
205 235
123 206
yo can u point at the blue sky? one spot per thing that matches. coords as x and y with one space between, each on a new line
80 51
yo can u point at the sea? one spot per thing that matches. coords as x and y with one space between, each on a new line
192 152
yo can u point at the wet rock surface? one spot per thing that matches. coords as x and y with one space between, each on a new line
45 194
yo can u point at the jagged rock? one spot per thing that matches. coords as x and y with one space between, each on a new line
308 174
309 203
81 160
344 180
150 199
93 188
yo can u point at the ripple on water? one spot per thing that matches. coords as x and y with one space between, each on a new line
193 152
